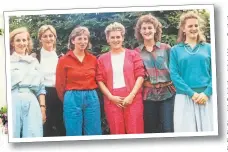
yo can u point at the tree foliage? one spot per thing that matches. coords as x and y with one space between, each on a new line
3 110
97 22
1 31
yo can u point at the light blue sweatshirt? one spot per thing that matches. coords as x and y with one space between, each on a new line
190 69
25 73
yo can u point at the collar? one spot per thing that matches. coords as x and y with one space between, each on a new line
157 44
70 53
182 44
48 53
15 57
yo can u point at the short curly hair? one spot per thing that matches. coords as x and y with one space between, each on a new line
148 19
115 27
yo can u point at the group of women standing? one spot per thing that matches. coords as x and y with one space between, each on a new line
151 89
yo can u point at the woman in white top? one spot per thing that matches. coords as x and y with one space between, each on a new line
48 59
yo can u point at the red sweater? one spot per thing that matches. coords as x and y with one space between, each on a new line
71 74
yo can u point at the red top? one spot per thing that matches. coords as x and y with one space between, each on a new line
71 74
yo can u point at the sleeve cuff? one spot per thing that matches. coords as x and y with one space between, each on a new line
190 93
208 92
43 91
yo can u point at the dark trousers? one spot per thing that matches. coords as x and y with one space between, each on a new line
54 125
158 116
104 125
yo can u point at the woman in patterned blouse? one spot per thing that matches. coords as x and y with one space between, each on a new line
158 90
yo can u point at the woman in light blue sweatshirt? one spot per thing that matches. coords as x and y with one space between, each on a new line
27 88
190 71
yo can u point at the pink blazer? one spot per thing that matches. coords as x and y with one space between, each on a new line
132 69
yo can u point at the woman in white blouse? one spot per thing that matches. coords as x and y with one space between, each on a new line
48 59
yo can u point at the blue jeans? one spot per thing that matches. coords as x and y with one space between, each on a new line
27 117
81 112
158 116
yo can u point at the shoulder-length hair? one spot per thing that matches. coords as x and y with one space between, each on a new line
183 18
19 31
43 29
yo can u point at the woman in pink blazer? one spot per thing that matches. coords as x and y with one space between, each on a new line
120 75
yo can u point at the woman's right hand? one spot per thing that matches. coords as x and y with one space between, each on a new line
202 99
117 100
195 96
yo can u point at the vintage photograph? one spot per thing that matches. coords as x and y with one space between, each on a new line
111 73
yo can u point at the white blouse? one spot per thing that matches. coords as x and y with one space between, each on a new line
48 62
117 67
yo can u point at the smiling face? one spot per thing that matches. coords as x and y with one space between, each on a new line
147 31
191 28
115 39
20 43
80 42
48 40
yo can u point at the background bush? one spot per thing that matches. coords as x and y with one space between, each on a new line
96 22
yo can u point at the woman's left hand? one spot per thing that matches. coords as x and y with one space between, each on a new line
128 100
202 98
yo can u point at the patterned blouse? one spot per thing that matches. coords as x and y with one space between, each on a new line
156 63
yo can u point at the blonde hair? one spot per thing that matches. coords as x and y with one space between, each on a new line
148 19
115 27
78 31
19 31
43 29
183 18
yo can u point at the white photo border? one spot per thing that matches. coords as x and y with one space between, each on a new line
209 7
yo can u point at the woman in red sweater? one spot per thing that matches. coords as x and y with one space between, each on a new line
120 75
75 84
